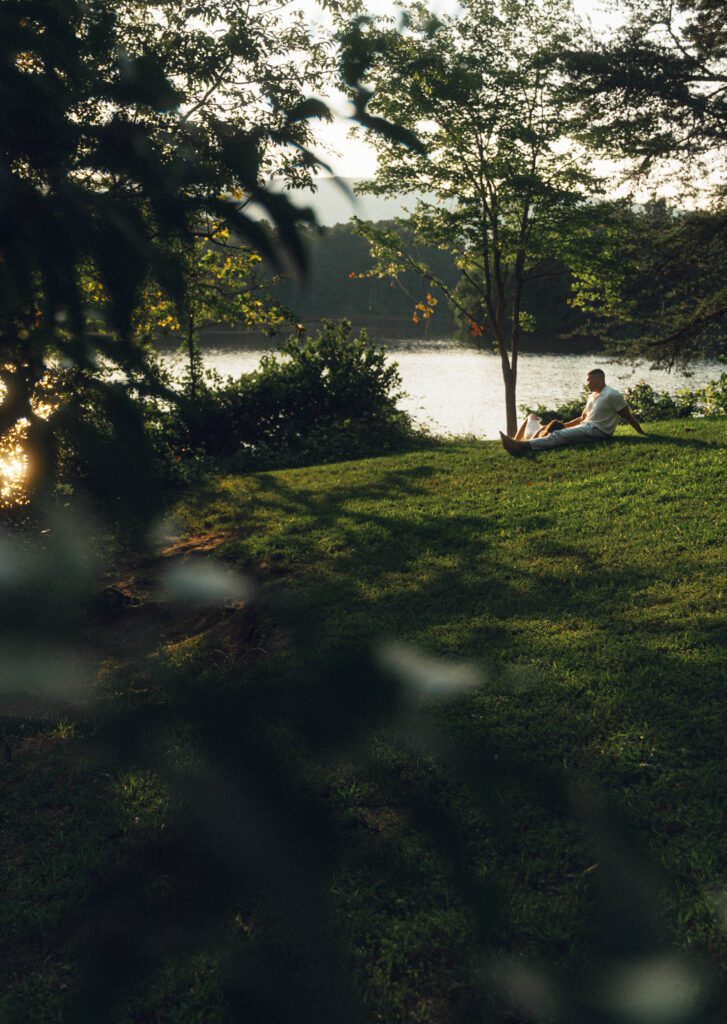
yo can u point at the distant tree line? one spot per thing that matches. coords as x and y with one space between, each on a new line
337 285
340 285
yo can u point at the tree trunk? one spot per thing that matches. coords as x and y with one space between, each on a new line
509 378
510 404
511 386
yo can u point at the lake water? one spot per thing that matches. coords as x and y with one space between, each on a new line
456 390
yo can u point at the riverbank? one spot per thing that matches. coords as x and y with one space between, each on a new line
586 585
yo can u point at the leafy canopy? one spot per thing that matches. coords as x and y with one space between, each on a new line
654 96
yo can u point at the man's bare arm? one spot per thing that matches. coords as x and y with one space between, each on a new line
576 422
627 415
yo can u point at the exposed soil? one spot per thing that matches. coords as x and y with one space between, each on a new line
133 620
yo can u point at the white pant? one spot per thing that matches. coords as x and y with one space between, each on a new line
571 435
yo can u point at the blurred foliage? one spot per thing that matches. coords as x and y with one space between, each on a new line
242 870
125 128
112 141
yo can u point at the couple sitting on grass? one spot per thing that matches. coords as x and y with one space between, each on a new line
597 422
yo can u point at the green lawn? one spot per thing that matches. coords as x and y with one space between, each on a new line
589 583
589 586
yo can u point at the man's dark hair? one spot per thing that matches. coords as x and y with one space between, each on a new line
599 372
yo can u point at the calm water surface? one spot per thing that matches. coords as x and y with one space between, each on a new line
455 390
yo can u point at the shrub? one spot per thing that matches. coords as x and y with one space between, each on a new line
648 404
567 411
328 396
715 397
100 422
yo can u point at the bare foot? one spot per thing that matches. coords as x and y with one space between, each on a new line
512 446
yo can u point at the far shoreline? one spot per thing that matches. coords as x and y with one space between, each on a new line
384 330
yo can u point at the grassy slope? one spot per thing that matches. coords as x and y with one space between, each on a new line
591 585
592 578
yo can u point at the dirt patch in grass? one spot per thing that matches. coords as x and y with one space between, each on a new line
134 618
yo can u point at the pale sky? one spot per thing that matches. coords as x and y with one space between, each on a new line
354 158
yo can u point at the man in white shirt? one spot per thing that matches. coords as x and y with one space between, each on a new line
597 422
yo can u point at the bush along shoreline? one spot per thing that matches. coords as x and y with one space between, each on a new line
320 399
325 398
649 405
330 397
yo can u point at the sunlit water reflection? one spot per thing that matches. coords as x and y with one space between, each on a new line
454 390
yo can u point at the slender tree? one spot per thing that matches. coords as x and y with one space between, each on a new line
224 283
483 90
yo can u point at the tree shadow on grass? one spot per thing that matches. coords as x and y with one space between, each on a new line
378 563
590 667
473 605
630 442
381 558
662 439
